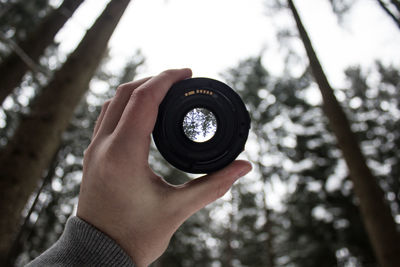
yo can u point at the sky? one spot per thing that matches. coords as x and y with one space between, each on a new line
211 36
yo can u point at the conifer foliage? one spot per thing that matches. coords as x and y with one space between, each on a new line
26 53
376 214
24 159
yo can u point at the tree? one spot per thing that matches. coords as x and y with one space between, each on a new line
57 197
18 18
199 124
325 223
319 225
27 52
376 213
24 159
249 78
390 7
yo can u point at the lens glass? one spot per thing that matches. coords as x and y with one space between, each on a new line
199 125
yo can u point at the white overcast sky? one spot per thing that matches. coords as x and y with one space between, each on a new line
210 36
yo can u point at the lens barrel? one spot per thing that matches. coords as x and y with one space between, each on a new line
232 125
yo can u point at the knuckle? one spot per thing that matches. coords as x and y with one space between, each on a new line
105 106
107 103
168 74
87 153
144 95
120 89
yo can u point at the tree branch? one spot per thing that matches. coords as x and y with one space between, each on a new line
387 10
396 3
24 56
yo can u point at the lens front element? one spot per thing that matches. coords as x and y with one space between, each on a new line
202 125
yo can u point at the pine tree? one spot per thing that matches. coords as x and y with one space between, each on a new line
376 213
37 138
249 78
19 17
320 225
390 7
27 52
57 198
325 222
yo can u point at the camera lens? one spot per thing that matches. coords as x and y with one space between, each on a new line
202 125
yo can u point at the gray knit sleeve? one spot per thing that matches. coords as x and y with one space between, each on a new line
81 244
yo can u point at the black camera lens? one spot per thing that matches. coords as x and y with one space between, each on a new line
202 125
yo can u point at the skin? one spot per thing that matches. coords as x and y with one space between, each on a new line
120 194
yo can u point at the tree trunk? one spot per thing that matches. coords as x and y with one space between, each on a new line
268 225
396 3
22 235
376 213
27 52
29 152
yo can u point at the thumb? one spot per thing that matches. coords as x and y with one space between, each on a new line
199 192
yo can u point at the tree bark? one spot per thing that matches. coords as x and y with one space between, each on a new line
376 213
27 52
396 4
17 245
29 152
390 13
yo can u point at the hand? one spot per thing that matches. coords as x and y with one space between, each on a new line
120 194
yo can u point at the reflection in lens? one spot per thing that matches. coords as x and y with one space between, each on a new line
199 125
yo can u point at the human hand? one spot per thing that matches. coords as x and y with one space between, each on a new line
120 194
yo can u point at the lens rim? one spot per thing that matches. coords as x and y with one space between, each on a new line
233 124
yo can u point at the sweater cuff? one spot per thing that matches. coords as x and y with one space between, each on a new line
83 244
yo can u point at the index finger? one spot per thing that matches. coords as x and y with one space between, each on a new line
140 113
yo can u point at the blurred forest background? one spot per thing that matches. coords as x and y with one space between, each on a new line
325 190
